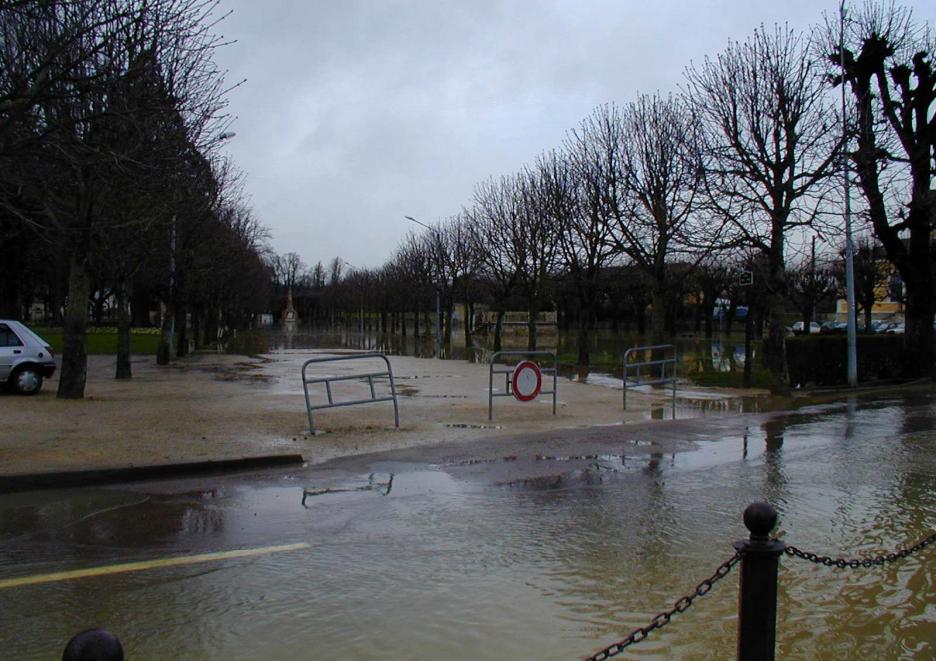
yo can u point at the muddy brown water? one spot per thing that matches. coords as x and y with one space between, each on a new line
475 560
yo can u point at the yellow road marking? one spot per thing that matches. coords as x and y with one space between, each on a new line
145 564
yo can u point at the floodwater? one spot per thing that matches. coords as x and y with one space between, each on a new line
696 353
459 560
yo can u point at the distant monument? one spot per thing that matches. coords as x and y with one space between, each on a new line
290 318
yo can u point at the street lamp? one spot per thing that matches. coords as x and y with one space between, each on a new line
849 248
438 330
361 319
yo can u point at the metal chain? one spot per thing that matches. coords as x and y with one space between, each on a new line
855 563
662 619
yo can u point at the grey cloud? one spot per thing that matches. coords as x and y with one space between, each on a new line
356 113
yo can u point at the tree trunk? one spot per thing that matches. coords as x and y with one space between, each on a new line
165 330
124 371
708 311
447 332
584 320
658 314
918 331
98 307
533 313
498 329
198 327
181 333
469 322
74 372
211 327
776 343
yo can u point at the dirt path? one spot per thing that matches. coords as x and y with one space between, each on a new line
220 407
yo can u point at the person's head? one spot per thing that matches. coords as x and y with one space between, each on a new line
93 645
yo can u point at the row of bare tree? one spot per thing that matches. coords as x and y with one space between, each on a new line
110 115
739 170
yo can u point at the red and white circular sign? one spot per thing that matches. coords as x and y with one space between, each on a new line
527 380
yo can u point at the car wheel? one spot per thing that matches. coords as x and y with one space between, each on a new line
27 381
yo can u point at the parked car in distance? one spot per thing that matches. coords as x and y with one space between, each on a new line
896 328
797 328
25 358
833 327
881 326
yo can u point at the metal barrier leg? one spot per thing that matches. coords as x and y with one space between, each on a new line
491 391
555 383
396 408
757 602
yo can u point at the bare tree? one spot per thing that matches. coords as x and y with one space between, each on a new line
538 238
415 266
465 263
889 71
573 190
810 282
92 85
652 169
771 144
712 278
496 217
871 277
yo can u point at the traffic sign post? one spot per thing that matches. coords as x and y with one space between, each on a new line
523 381
527 380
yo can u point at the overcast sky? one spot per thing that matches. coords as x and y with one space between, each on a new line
357 112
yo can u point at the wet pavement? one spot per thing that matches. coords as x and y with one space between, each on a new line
544 547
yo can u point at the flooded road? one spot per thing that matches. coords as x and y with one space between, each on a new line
517 553
696 353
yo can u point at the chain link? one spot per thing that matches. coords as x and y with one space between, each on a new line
855 563
682 604
662 619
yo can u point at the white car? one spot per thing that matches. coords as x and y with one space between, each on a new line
813 328
25 358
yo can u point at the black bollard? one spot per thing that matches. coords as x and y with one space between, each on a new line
93 645
757 599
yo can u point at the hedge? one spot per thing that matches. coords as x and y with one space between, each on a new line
103 339
822 360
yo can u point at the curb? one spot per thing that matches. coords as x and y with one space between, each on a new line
81 478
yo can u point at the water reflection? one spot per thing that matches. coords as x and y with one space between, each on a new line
696 353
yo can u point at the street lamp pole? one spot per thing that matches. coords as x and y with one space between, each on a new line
361 315
438 319
849 248
172 276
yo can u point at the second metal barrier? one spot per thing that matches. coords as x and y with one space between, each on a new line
668 359
328 380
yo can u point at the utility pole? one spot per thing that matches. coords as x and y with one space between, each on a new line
438 291
849 248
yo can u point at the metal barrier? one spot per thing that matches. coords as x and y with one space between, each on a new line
508 372
662 378
328 380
